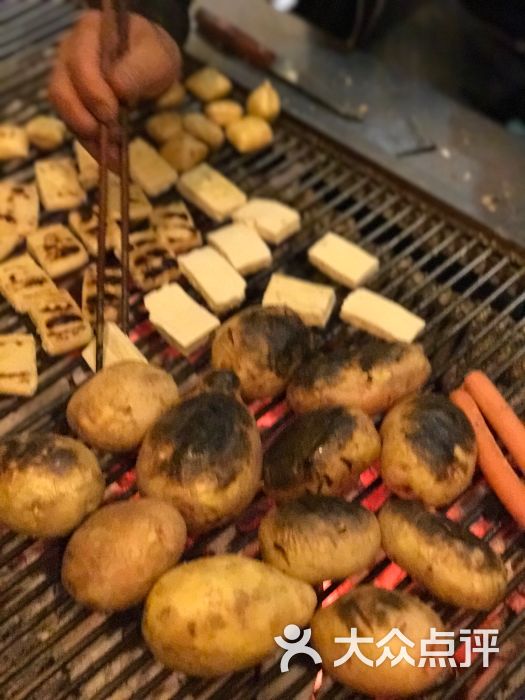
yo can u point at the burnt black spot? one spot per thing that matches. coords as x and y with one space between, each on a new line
222 382
192 628
85 212
278 333
325 367
374 351
63 320
44 451
205 435
329 509
437 427
289 460
369 605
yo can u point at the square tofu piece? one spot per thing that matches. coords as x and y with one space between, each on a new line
184 323
152 265
19 207
175 228
343 261
88 167
60 323
13 142
217 196
149 170
214 278
117 348
273 221
57 250
380 316
9 241
242 246
22 281
84 224
18 371
314 303
112 293
209 84
58 184
139 205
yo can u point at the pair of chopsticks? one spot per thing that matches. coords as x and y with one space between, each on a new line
114 44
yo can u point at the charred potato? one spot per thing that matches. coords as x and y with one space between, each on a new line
114 409
118 553
371 375
374 613
319 538
447 559
204 456
264 347
429 450
322 452
220 614
48 484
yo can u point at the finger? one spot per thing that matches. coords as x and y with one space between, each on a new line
93 147
63 95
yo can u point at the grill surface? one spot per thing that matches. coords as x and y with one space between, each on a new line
470 290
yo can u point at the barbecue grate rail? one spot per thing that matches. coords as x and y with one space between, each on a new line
469 288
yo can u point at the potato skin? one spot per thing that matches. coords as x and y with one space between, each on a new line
220 614
115 408
447 559
429 450
112 561
264 347
319 538
48 484
371 375
374 612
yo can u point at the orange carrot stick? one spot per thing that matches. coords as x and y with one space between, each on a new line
499 414
502 478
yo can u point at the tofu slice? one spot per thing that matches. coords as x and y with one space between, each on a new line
117 348
175 228
19 207
314 303
46 132
84 224
140 207
152 265
87 166
57 250
9 241
242 246
18 369
22 281
180 319
214 278
343 261
58 184
13 142
209 84
59 323
380 316
112 293
273 221
149 170
217 196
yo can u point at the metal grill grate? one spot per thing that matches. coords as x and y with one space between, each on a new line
470 290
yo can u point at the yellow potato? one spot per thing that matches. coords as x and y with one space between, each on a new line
208 84
224 112
220 614
264 102
115 557
249 134
203 129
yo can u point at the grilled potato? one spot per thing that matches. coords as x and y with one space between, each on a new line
249 134
114 409
204 456
317 538
224 112
447 559
118 553
322 452
48 484
429 450
374 613
371 375
220 614
264 102
264 347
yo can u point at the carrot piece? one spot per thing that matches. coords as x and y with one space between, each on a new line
499 414
501 477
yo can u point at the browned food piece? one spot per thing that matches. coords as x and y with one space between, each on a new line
174 227
112 293
224 112
320 538
164 126
371 375
264 102
264 347
48 484
204 456
152 265
184 152
322 452
173 97
59 322
203 129
114 409
374 612
249 134
429 450
443 556
208 84
118 553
